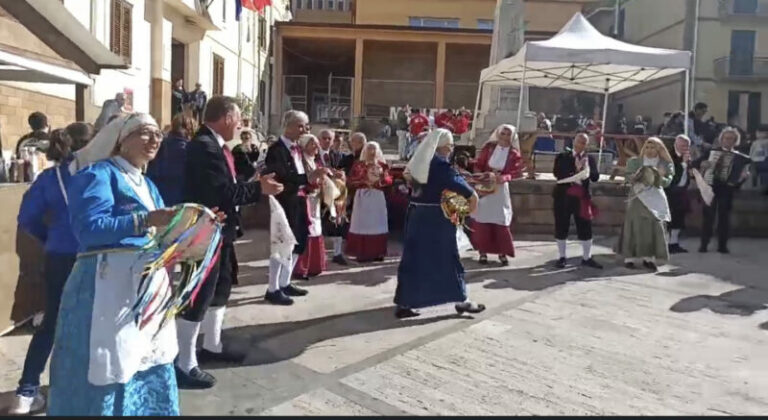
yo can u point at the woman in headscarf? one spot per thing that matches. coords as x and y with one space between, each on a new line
369 227
430 271
643 236
103 364
492 221
166 170
312 262
44 216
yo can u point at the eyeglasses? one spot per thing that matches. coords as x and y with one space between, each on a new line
148 134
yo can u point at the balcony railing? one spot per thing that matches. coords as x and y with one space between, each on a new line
747 69
734 9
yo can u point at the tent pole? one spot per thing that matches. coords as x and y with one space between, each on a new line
520 99
475 115
602 128
686 103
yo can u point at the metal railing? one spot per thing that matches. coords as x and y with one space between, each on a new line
741 68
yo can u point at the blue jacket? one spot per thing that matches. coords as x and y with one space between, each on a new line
44 214
441 177
104 210
167 169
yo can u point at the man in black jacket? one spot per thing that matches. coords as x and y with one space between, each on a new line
677 192
286 161
571 198
723 189
211 181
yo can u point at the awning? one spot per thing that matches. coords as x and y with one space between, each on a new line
14 67
63 33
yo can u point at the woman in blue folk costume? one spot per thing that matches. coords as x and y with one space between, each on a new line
430 271
102 363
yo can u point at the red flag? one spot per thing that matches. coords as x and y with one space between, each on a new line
259 5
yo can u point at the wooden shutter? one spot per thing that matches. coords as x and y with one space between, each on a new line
218 75
120 29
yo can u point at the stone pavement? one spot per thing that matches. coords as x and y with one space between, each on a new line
690 339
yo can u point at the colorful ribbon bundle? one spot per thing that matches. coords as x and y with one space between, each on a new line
192 240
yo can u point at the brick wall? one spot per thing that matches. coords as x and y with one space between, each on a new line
16 105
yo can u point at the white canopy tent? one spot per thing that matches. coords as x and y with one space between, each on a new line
580 58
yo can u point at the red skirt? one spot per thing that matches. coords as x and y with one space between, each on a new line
312 262
366 247
490 238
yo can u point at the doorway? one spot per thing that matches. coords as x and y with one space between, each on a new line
745 108
742 53
178 62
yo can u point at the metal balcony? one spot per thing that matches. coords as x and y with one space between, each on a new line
743 10
738 69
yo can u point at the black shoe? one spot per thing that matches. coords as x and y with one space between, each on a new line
630 265
204 356
560 263
503 261
677 249
378 259
402 313
278 298
195 379
292 290
340 260
650 265
723 250
483 259
591 263
469 307
303 278
703 249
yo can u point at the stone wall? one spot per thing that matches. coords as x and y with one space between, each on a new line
532 206
16 105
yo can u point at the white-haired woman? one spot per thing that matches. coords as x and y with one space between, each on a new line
722 186
430 271
102 364
643 236
369 227
491 223
312 261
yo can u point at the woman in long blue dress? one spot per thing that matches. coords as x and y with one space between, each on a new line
430 271
102 363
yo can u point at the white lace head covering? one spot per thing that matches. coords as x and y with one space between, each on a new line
103 145
418 166
379 153
515 143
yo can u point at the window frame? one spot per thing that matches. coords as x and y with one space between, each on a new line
121 40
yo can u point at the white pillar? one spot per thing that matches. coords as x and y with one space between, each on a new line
520 99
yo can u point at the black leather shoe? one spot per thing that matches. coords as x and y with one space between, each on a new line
591 263
677 249
304 278
560 263
292 290
278 298
378 259
630 265
723 250
469 307
204 356
402 313
503 261
340 260
195 379
483 259
703 248
650 265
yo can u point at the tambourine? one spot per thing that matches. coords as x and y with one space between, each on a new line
455 207
484 184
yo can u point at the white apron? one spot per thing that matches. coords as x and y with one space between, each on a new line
369 213
316 226
118 349
496 208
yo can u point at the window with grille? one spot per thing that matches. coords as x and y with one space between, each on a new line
427 22
218 75
120 31
262 33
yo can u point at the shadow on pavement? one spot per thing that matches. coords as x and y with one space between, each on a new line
263 346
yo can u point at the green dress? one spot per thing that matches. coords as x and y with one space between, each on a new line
643 234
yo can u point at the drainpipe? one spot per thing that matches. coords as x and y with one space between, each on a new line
616 9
